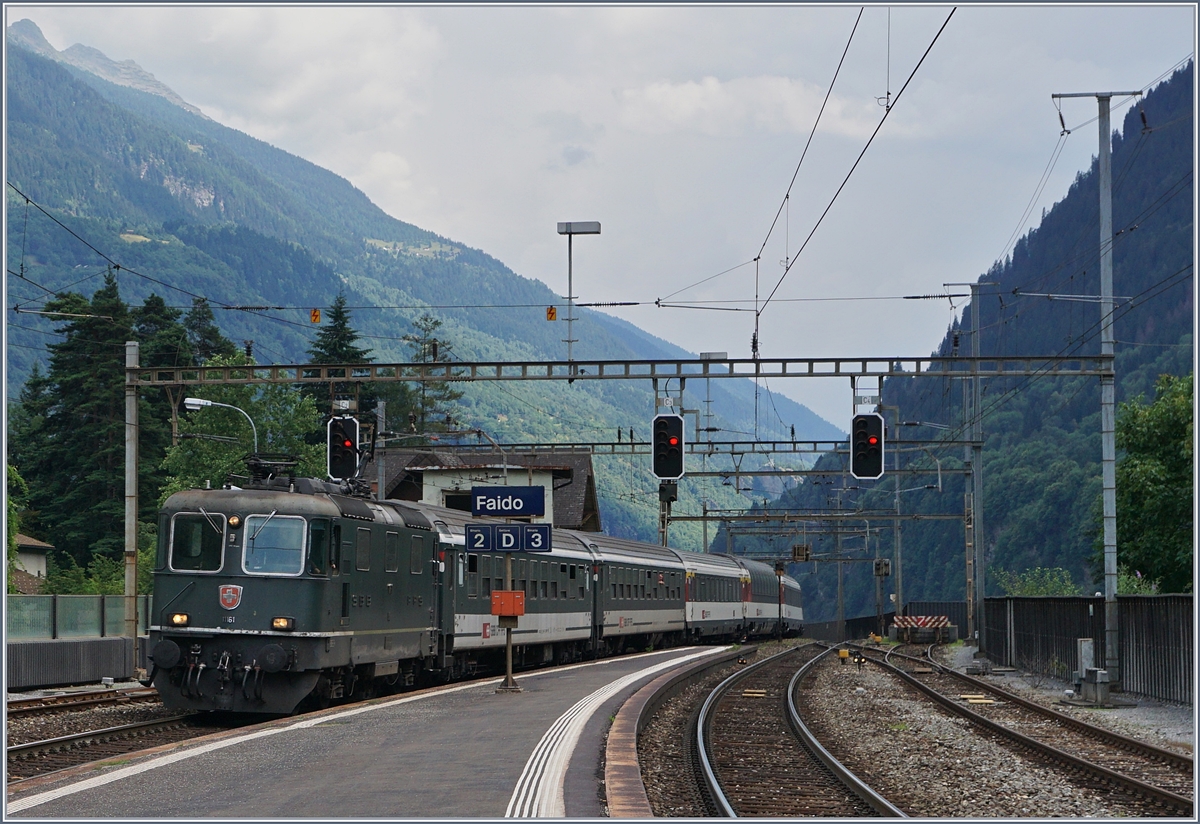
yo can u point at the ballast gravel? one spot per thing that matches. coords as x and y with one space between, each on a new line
24 729
929 763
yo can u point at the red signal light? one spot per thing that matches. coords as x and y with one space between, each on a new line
674 441
872 440
347 443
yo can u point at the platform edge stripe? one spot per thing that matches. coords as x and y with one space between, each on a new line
548 801
525 795
19 804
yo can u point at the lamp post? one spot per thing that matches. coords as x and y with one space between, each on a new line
194 404
579 227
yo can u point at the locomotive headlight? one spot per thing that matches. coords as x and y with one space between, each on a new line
234 521
283 622
179 619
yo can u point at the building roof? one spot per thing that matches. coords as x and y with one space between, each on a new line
575 503
27 544
25 583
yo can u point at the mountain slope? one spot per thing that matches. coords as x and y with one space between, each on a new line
1042 437
206 210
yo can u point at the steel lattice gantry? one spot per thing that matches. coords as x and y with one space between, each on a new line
173 379
470 371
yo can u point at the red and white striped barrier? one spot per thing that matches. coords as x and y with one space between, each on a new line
915 621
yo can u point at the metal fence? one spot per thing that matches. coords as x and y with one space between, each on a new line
1157 646
855 628
70 616
1040 635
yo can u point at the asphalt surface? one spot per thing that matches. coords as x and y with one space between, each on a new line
457 752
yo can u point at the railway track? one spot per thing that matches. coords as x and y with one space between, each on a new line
77 700
1157 779
41 757
757 757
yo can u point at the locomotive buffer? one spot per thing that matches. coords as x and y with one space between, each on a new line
511 503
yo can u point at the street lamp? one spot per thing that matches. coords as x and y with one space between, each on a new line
579 227
194 404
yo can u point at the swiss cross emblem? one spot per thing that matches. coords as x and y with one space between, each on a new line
231 596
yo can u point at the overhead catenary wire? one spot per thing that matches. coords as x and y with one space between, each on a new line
811 133
870 140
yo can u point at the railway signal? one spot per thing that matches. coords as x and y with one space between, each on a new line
667 443
866 446
342 448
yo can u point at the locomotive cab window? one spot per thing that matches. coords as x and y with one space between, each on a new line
197 541
164 539
273 545
318 545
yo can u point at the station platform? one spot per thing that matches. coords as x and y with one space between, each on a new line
461 751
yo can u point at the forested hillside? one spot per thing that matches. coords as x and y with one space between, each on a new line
1042 437
189 208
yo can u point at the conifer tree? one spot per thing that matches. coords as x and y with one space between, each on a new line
69 429
434 399
337 342
203 335
78 483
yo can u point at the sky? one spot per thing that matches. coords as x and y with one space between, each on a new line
679 129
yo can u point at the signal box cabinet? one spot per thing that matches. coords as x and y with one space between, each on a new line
508 602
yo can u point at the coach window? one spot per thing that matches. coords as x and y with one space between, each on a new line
273 544
472 575
197 541
416 555
391 552
318 545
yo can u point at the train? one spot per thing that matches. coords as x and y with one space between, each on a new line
280 593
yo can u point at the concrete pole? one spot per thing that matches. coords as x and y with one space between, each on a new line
977 474
131 492
1108 450
1108 417
380 422
841 633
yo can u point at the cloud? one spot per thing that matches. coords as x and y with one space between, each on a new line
733 107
